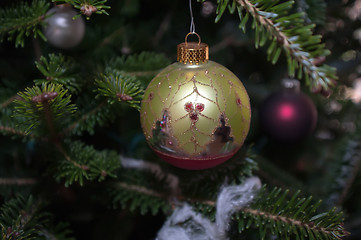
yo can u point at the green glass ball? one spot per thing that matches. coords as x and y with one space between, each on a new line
195 116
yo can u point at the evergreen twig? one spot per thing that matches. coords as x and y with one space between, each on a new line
88 7
343 171
38 105
24 219
58 69
121 88
22 20
17 181
288 33
9 101
84 117
83 162
298 217
15 132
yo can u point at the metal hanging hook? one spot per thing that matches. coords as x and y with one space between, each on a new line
186 38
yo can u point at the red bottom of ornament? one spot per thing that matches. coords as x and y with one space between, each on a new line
198 163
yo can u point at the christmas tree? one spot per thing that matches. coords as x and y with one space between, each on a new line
87 150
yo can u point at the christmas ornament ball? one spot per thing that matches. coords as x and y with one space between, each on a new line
195 114
288 115
61 30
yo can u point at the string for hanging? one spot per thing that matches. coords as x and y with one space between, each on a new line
192 28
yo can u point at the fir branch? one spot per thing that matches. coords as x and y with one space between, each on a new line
272 22
9 101
60 231
229 41
21 218
315 10
14 131
135 196
17 181
59 70
24 219
87 7
272 212
40 107
9 125
143 62
317 231
164 25
83 162
86 117
141 190
353 159
111 37
121 88
20 21
143 66
343 171
143 73
287 218
146 190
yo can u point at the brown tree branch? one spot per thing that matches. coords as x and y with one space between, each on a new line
83 118
17 181
9 101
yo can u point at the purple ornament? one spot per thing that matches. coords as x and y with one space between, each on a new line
288 115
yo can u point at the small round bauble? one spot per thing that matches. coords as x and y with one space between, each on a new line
61 30
288 115
195 113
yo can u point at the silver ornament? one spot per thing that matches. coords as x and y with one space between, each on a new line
61 30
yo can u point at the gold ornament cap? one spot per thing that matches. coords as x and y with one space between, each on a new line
192 52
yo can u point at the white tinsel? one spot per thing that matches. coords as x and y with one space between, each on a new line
185 224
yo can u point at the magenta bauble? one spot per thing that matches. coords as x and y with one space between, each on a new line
288 116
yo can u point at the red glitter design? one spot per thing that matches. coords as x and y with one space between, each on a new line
193 112
238 101
193 116
200 107
188 107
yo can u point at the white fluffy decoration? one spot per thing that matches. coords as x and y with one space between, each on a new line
185 224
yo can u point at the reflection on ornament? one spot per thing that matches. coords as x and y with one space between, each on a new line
61 30
195 114
286 112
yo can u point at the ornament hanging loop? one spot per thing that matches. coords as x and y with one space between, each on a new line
192 33
192 52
